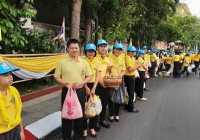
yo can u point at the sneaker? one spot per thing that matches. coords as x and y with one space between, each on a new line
143 99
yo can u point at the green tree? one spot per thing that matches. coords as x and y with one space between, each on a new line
12 13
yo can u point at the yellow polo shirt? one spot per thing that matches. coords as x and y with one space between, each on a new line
169 60
147 58
71 71
153 57
130 62
9 102
94 67
118 65
187 61
192 56
103 63
197 57
176 58
141 61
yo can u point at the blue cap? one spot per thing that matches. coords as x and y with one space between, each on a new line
90 47
131 48
188 53
144 47
149 51
155 51
141 51
6 69
119 46
101 42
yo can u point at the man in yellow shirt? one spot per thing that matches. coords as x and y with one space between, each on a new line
102 90
10 107
73 72
186 63
129 77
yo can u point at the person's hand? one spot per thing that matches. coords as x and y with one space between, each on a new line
22 136
139 65
68 86
93 91
102 84
87 91
77 85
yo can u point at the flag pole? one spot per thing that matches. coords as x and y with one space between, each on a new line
64 35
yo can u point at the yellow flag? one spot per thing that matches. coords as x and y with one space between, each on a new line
130 43
0 34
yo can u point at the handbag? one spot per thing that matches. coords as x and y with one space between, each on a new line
90 111
71 108
98 105
112 81
146 75
118 95
137 74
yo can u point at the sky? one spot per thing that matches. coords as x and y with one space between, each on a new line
194 6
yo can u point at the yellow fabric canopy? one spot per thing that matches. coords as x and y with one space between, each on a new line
36 64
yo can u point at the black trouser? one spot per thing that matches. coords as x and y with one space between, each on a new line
167 66
130 84
184 70
176 69
78 123
113 108
153 68
104 94
196 63
92 121
13 134
139 83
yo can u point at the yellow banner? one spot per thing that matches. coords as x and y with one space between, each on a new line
36 64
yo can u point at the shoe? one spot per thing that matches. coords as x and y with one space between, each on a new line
104 124
111 119
97 127
134 111
84 137
93 135
143 99
146 89
116 119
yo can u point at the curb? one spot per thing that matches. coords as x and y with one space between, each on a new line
40 93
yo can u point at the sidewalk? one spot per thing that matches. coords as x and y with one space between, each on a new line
38 108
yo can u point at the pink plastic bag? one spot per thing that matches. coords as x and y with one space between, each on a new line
71 108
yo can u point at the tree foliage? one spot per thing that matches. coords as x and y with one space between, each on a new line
12 13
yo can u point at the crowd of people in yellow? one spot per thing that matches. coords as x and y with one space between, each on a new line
87 75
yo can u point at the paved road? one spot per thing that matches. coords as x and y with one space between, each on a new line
172 112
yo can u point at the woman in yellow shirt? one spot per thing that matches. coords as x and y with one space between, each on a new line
10 107
129 77
102 90
153 63
186 63
168 61
140 81
118 69
196 62
90 52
